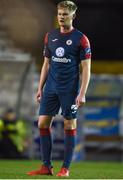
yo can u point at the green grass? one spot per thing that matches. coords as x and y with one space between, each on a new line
81 170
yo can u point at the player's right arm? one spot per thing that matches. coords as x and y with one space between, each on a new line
45 68
43 77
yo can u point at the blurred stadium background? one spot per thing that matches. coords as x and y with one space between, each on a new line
23 25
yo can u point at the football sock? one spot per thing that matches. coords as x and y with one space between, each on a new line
69 142
46 146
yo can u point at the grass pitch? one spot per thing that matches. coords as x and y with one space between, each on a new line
14 169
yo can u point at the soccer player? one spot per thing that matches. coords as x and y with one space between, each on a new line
65 49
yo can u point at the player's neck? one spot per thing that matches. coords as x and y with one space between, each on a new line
66 29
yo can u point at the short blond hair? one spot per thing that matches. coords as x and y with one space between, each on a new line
71 6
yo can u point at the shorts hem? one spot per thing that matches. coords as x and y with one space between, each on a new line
69 118
46 114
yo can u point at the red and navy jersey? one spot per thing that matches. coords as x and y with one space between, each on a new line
65 51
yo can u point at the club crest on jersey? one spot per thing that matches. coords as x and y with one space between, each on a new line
60 52
69 42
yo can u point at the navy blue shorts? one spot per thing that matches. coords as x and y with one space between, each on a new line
51 103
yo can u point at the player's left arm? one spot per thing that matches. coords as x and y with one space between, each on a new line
85 55
85 78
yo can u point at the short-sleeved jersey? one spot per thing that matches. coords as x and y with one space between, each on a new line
65 51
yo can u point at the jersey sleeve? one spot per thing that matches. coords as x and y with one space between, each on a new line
46 52
85 49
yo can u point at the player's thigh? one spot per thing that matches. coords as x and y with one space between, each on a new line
44 121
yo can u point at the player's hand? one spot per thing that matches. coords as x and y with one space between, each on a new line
38 96
80 100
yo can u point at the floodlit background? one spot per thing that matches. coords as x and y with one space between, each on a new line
23 24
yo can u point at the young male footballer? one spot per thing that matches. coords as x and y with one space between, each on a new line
65 49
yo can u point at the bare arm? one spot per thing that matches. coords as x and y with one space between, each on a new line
43 77
86 68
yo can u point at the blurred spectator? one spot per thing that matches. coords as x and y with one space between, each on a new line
12 136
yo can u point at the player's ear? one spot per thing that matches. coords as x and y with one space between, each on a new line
74 16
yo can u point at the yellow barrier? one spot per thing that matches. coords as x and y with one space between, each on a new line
107 67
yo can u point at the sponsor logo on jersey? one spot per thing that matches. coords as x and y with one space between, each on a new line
60 52
69 42
62 60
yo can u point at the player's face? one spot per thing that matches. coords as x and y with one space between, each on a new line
65 17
